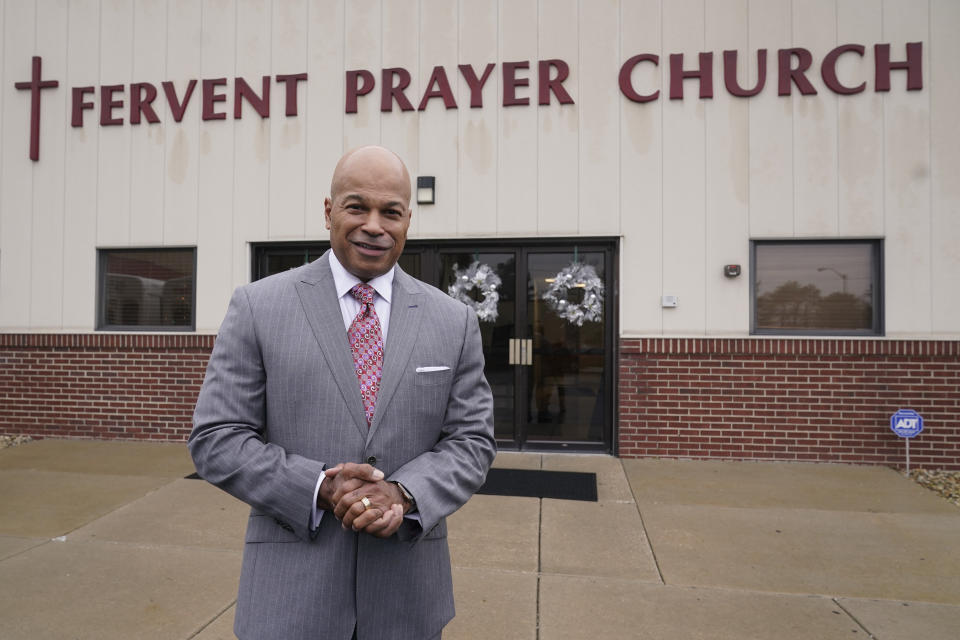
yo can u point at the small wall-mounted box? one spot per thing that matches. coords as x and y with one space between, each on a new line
731 270
669 301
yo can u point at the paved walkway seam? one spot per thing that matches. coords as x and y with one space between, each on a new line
795 594
22 551
854 618
643 525
212 620
145 545
518 572
536 630
117 508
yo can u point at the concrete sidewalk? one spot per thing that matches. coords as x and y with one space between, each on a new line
108 540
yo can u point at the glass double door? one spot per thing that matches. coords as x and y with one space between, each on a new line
547 339
546 314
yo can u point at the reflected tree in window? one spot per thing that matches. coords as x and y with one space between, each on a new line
793 305
804 286
789 305
844 311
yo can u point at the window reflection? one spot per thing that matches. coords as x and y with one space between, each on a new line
566 380
495 332
825 286
147 288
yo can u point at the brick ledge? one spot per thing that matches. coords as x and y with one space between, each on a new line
762 345
109 340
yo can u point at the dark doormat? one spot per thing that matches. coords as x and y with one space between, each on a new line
562 485
532 483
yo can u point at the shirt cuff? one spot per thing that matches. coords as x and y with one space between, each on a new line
315 513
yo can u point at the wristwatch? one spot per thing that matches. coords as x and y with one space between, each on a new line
406 496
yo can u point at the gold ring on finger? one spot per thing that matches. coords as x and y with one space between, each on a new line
365 501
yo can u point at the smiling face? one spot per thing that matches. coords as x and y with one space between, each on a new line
368 211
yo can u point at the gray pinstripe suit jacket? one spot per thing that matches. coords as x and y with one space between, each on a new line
280 401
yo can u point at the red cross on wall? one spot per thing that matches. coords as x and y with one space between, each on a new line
35 85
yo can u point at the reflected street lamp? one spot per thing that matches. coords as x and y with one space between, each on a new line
843 276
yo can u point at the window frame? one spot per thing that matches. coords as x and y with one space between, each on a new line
101 301
261 252
877 324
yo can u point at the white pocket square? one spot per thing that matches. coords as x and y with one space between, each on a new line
429 369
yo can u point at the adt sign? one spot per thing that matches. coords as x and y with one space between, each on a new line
906 423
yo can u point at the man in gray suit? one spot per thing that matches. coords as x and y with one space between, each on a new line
345 402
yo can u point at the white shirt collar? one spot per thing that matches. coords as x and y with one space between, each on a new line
344 280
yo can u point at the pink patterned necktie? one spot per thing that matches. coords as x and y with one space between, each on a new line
366 344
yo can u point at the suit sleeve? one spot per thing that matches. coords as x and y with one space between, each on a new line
443 479
227 443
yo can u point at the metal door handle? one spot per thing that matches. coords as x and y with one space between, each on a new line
520 351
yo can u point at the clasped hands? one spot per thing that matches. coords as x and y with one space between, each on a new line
346 485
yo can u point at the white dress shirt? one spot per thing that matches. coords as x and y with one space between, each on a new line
350 306
344 281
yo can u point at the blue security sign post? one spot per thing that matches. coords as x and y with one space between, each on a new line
907 424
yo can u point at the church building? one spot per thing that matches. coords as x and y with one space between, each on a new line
724 229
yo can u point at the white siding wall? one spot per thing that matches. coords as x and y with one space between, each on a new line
80 178
517 191
860 133
727 184
477 147
251 160
944 163
906 195
641 176
46 264
16 170
684 183
216 200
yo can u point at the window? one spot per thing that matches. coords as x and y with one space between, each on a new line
146 289
830 287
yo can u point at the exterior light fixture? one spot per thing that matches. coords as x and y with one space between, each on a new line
426 190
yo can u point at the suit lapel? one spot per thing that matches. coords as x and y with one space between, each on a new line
318 295
406 313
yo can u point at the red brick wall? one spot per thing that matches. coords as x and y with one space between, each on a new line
102 385
757 398
823 400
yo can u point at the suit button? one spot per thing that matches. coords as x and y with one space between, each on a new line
372 460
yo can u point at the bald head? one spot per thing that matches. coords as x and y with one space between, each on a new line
375 163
